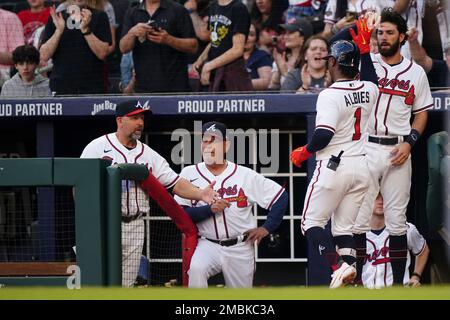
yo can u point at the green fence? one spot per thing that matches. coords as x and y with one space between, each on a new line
97 201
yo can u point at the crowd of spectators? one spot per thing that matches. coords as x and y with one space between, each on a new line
77 47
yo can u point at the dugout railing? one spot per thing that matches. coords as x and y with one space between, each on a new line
96 190
87 177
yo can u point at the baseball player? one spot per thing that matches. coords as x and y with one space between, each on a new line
377 270
124 146
404 89
413 11
341 177
227 229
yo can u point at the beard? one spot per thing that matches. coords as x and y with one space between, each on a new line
136 136
392 50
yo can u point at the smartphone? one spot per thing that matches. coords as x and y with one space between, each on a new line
352 15
274 40
153 24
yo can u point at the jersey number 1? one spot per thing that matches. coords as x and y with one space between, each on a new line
357 115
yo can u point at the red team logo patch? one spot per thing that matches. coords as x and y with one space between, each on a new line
240 199
388 86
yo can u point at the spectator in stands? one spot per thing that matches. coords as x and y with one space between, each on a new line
222 64
160 34
108 8
438 71
11 36
26 83
33 20
268 15
304 8
258 62
343 13
311 74
297 32
312 9
128 77
114 59
77 39
198 10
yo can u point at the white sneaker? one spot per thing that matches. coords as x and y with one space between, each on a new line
345 274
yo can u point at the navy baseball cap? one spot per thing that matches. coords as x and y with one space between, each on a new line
215 128
130 108
299 24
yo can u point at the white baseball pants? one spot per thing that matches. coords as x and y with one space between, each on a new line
339 193
237 263
132 244
394 183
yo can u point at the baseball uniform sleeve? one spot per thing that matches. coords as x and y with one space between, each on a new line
93 150
262 190
416 242
327 112
423 99
163 172
185 173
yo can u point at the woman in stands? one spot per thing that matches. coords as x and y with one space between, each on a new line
310 75
258 62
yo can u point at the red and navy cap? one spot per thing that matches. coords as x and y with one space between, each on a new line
215 128
130 108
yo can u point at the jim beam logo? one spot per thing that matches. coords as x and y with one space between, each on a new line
107 105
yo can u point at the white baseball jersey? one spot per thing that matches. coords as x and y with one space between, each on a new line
404 89
377 270
344 108
240 186
360 6
134 200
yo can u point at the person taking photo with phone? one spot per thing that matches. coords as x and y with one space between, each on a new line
161 35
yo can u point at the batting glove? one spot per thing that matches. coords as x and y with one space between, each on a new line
299 155
362 39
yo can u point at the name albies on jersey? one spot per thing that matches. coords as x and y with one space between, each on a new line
404 89
377 270
344 108
240 186
134 200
